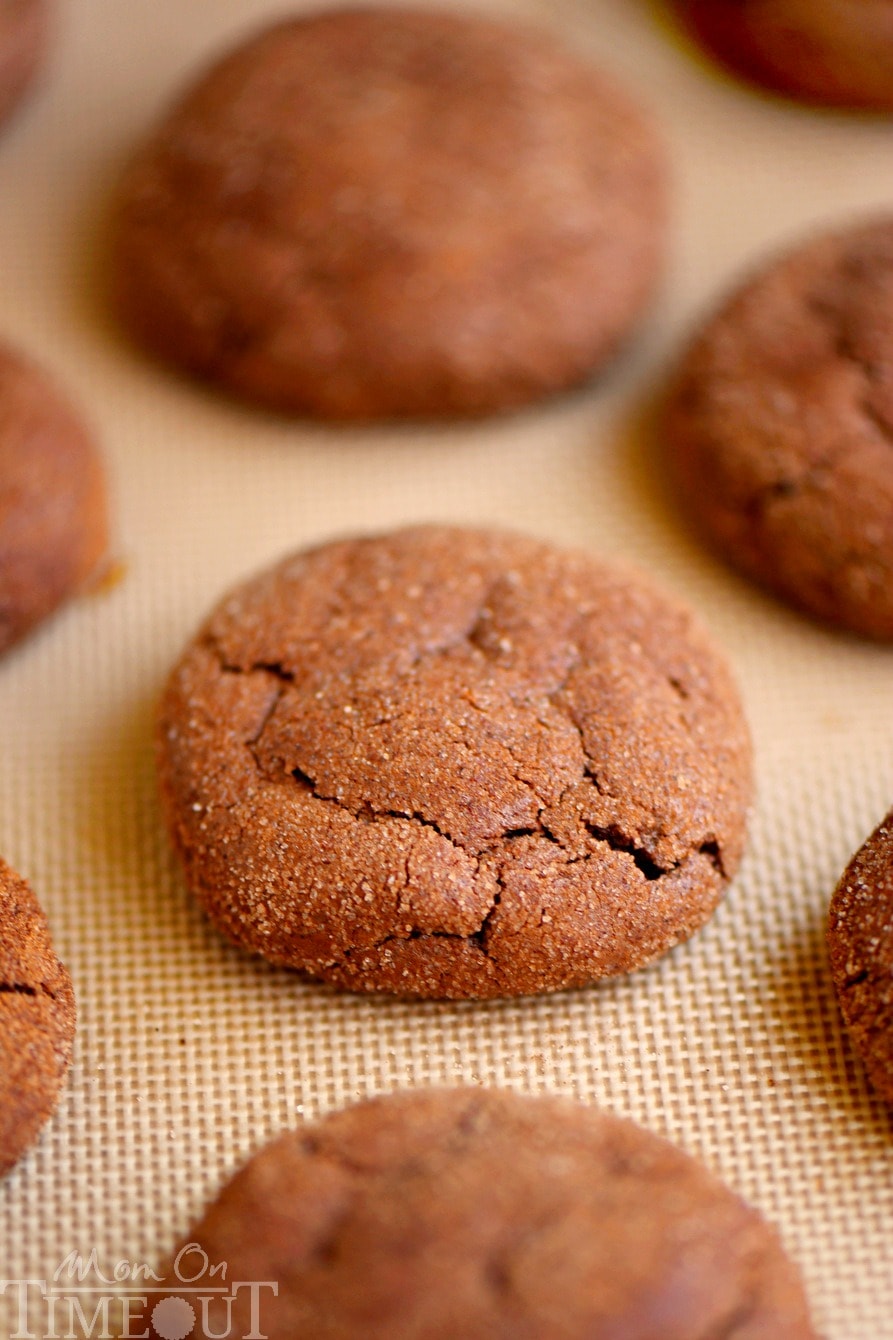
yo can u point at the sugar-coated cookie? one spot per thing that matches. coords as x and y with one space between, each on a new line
860 944
488 1215
779 428
37 1019
376 213
53 522
454 763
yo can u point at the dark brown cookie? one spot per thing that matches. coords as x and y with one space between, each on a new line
379 213
838 52
779 429
486 1215
53 530
454 763
860 943
23 25
37 1019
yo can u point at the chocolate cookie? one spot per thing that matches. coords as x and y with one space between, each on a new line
454 763
376 213
779 429
23 26
838 52
485 1215
53 529
37 1018
860 943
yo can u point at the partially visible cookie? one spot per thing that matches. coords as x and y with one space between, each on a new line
838 52
454 763
486 1215
386 212
22 41
37 1019
53 528
778 430
860 943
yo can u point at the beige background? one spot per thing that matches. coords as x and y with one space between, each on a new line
188 1053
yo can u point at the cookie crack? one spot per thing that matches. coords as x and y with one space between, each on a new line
855 980
617 840
476 938
610 835
18 989
713 851
481 935
274 668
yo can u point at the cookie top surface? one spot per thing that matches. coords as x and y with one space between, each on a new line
53 527
387 213
838 52
485 1214
23 31
779 428
860 944
448 762
37 1019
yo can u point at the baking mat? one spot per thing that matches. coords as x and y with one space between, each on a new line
189 1053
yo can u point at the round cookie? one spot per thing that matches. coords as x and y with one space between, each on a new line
838 52
860 943
479 1213
53 528
454 763
381 213
23 25
779 426
37 1019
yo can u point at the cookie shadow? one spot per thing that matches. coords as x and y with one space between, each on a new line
805 1032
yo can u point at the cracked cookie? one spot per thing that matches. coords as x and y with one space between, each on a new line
53 529
382 213
37 1019
454 763
489 1215
837 52
860 945
22 42
778 431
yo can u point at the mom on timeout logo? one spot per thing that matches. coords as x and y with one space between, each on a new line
130 1302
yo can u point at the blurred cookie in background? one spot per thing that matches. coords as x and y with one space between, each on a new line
23 38
778 429
486 1215
835 52
53 510
390 213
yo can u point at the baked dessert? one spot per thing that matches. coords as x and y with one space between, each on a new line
53 510
860 945
454 763
385 213
779 423
23 37
833 52
37 1019
491 1216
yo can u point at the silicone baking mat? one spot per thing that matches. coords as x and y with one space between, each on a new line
189 1053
